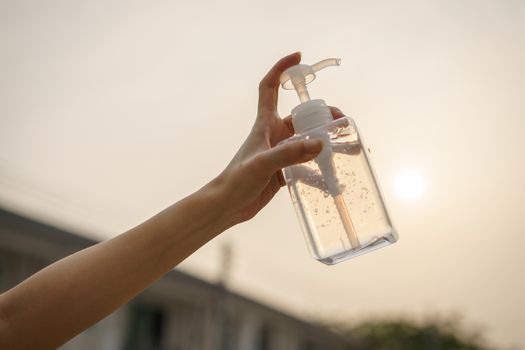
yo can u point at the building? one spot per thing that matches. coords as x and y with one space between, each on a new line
179 312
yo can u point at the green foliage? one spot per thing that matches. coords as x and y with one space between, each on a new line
404 334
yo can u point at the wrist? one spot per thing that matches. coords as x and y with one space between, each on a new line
212 201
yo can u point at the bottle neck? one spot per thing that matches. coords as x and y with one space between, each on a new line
311 114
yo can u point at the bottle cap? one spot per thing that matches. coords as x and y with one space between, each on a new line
310 113
296 77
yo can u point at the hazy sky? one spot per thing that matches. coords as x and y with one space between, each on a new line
112 110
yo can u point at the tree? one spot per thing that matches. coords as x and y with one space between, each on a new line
407 334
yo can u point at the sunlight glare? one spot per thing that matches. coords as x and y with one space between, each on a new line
409 184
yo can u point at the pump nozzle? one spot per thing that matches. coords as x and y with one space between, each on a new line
298 76
311 114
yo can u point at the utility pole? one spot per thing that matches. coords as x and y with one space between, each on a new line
225 263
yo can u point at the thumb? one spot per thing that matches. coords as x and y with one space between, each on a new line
290 153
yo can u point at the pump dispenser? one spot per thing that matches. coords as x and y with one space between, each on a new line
336 196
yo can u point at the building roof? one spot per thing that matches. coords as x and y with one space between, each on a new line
30 237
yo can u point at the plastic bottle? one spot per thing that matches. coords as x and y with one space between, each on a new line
336 195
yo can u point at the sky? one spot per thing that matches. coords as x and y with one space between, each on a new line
112 110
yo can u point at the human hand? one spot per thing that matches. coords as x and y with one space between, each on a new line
254 174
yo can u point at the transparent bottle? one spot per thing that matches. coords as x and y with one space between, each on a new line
336 195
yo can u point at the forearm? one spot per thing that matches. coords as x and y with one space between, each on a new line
60 301
81 289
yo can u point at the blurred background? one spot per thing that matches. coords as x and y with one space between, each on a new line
112 110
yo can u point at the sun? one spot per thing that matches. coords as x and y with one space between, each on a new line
410 184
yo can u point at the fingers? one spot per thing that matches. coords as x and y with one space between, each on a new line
269 162
280 178
269 86
288 122
336 112
270 191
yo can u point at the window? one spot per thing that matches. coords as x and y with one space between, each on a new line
145 328
263 339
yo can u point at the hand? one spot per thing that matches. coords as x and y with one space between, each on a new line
60 301
254 174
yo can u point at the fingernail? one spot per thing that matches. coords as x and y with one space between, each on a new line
339 112
312 146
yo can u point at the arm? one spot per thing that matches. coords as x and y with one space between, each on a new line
68 296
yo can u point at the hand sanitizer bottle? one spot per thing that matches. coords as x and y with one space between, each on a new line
336 195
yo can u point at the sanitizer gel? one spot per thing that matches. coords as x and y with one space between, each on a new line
336 196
